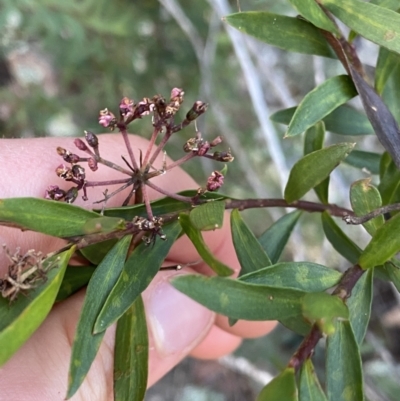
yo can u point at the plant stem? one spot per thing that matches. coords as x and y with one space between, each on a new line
129 147
369 216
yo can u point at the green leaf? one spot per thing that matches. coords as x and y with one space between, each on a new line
391 4
287 33
297 324
339 240
104 224
250 253
321 101
314 140
313 13
75 278
359 305
19 320
389 186
201 247
391 272
377 24
274 239
383 245
86 344
282 387
95 253
324 309
344 381
364 160
240 300
381 118
364 198
385 67
131 354
344 120
309 387
313 169
305 276
139 270
48 217
208 216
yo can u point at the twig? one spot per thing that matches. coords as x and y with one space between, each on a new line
355 220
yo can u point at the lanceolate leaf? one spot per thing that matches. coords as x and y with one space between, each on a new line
139 269
344 120
310 10
274 239
344 381
131 354
383 245
339 240
389 186
364 198
282 387
96 252
197 239
314 140
19 320
75 278
366 161
208 216
248 250
386 65
309 387
320 102
305 276
390 4
378 24
86 344
379 115
240 300
48 217
359 305
313 169
286 33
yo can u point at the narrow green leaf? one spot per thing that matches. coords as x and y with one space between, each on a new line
381 118
359 305
48 217
282 387
324 309
314 140
297 324
339 240
104 224
139 270
383 245
377 24
390 4
86 344
75 278
197 239
275 238
345 120
304 276
364 198
313 13
95 253
287 33
250 253
385 67
208 216
391 272
309 387
321 101
313 169
131 354
389 186
344 381
19 320
364 160
240 300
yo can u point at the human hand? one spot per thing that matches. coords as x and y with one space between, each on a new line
178 326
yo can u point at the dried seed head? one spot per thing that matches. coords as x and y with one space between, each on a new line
54 192
143 108
126 106
107 119
61 151
177 95
71 195
225 157
91 139
197 110
216 141
64 172
190 145
78 172
203 148
215 181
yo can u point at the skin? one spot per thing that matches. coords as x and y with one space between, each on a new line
177 325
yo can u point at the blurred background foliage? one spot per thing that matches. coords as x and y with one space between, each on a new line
61 62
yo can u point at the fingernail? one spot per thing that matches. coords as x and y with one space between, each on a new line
177 322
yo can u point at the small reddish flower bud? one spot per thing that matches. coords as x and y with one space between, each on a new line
92 164
80 144
225 157
91 139
107 119
215 181
61 151
126 106
216 141
54 192
197 110
177 93
144 107
64 172
71 195
204 147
